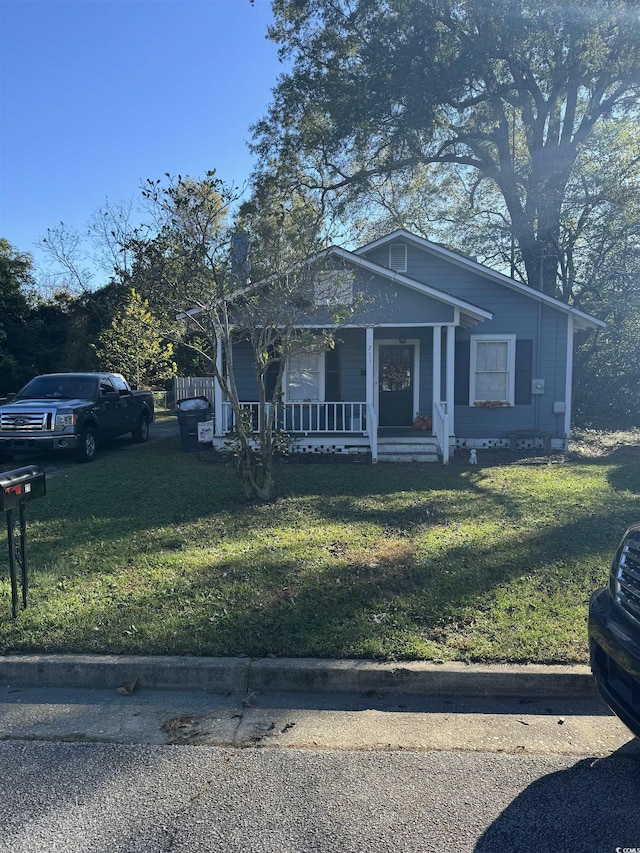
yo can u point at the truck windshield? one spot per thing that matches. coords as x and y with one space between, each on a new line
59 388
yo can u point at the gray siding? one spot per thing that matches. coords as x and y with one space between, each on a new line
351 348
426 372
389 303
379 300
520 316
514 313
352 355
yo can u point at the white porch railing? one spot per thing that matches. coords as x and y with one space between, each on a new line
304 418
441 429
318 418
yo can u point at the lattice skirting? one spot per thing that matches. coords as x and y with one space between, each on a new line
316 446
505 444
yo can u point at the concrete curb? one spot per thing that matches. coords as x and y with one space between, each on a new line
229 675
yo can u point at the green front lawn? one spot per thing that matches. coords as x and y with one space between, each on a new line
150 550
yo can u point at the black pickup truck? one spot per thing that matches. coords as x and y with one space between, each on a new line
73 411
614 633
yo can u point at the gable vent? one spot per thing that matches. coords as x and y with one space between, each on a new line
398 257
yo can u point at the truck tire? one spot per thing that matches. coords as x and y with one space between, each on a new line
141 432
88 445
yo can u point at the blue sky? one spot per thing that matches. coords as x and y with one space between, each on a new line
98 95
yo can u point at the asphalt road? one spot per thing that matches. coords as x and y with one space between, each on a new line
97 798
429 774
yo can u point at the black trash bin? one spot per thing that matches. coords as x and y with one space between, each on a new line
191 411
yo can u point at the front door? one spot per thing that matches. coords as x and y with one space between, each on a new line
395 385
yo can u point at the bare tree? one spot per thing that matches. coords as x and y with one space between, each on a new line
198 266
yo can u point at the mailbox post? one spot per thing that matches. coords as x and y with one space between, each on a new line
17 487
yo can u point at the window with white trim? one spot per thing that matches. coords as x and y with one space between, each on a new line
305 377
398 257
492 375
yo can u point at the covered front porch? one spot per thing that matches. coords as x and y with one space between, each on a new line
363 397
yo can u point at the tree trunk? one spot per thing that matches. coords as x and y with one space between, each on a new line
541 254
542 259
256 471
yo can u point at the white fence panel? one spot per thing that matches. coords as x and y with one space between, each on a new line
193 386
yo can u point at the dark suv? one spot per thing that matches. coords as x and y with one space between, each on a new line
614 633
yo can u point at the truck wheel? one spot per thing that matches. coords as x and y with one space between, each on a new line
141 432
88 445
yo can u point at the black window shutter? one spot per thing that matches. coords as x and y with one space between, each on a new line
332 374
270 379
524 372
461 376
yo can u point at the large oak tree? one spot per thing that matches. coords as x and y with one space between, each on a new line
509 89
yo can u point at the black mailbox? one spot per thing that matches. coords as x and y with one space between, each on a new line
17 487
21 485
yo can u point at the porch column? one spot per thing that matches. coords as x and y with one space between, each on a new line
437 364
451 371
568 391
217 394
370 391
370 396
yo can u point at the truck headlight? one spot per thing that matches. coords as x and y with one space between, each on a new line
63 421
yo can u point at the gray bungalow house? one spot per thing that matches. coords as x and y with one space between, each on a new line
486 361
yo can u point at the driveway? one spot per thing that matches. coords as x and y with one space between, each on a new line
53 463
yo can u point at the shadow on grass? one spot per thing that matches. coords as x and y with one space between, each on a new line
384 606
340 608
156 487
274 599
624 475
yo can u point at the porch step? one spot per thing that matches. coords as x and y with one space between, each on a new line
403 449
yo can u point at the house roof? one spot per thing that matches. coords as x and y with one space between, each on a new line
582 320
472 313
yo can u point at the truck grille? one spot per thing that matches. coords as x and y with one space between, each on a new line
626 576
24 421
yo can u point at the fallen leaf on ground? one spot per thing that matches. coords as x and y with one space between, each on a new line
127 688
